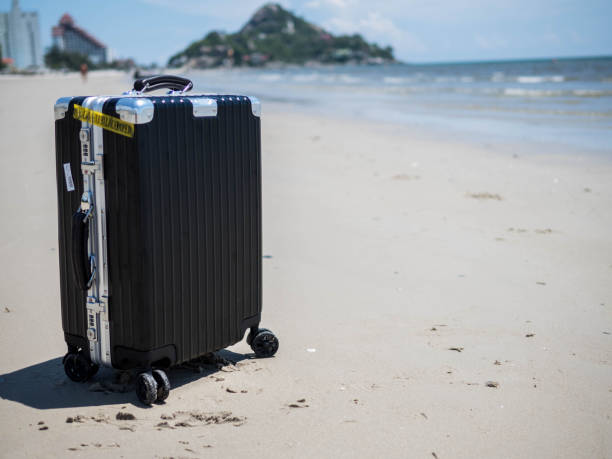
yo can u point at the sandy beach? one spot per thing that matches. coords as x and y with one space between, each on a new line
432 298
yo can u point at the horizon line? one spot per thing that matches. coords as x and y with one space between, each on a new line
512 59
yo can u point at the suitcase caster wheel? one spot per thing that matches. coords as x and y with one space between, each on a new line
78 367
163 385
254 331
146 388
264 343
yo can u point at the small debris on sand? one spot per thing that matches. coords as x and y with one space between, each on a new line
497 362
6 309
424 415
433 329
77 418
131 429
231 391
40 423
183 442
167 416
182 424
587 190
541 283
492 384
100 418
406 177
209 361
529 335
434 455
543 231
121 416
43 428
300 404
164 424
484 195
606 332
73 449
112 386
223 417
456 349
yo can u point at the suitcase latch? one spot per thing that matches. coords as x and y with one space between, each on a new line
86 205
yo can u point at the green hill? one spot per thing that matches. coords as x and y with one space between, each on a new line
275 35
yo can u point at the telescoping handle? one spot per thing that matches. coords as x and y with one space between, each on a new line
172 82
83 265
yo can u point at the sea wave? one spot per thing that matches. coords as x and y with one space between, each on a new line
270 77
535 79
523 92
306 78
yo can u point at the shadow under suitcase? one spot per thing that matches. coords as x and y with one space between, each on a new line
45 385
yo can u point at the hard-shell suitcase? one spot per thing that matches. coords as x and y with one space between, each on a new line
159 202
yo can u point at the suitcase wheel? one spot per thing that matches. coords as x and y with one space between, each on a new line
163 385
146 388
264 343
152 387
78 367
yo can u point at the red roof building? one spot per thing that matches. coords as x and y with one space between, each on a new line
70 38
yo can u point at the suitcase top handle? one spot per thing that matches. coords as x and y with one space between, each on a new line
172 82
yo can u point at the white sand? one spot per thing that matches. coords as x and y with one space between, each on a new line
381 261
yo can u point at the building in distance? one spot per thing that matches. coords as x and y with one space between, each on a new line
20 37
68 37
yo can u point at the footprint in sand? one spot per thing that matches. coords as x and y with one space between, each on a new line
485 195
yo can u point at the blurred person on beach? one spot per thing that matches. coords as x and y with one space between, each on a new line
84 70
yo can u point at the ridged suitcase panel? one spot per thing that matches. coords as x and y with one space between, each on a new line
183 199
68 150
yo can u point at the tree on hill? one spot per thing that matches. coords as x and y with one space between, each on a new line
274 34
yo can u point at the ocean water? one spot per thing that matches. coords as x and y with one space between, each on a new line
561 102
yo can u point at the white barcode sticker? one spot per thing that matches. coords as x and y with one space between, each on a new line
68 175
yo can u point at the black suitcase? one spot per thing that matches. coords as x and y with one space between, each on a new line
159 215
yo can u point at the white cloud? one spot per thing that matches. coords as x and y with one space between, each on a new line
327 3
376 27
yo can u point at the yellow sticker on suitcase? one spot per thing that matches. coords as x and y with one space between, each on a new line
110 123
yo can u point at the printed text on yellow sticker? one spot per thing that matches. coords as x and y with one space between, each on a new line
110 123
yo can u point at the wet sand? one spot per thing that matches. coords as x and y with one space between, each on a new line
432 299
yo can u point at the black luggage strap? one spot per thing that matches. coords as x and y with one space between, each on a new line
83 265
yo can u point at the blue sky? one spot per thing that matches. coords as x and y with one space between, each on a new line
418 30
